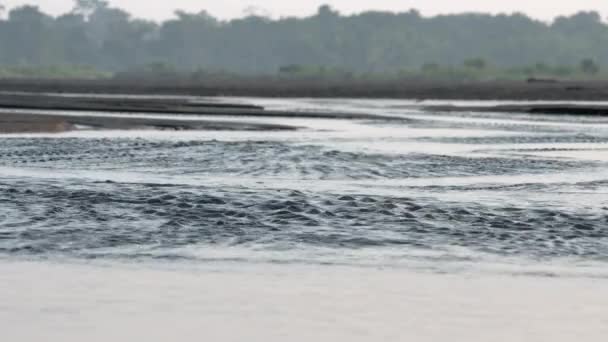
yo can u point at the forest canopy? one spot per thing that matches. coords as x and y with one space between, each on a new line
96 35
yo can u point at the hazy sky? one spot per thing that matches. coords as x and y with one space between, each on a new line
161 9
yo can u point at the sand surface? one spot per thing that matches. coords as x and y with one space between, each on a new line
24 122
45 301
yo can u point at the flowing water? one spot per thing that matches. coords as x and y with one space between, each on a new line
431 226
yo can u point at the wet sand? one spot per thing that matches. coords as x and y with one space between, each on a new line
17 123
555 109
86 105
46 95
124 104
79 302
43 123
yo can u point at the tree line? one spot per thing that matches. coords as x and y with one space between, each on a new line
96 35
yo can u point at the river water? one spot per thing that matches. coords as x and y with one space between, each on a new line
432 226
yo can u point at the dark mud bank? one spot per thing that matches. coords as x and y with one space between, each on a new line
35 123
148 105
556 109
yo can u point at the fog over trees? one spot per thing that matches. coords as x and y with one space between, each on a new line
110 39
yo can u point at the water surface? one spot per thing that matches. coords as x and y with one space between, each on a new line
480 201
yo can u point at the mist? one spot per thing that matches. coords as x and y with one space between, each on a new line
230 9
94 34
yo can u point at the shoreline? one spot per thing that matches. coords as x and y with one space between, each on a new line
324 88
18 114
16 123
24 112
550 109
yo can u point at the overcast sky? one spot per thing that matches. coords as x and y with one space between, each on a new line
161 9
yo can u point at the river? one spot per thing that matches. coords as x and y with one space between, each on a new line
435 226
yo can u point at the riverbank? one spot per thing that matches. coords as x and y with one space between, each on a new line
11 123
88 104
326 88
52 112
540 108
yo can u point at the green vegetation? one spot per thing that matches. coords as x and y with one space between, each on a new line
475 69
479 69
80 72
470 70
325 45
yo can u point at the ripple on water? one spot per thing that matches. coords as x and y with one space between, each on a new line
259 159
80 220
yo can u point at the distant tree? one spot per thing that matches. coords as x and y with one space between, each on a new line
325 11
30 37
578 23
541 67
475 63
564 71
88 7
97 34
291 69
589 66
430 67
